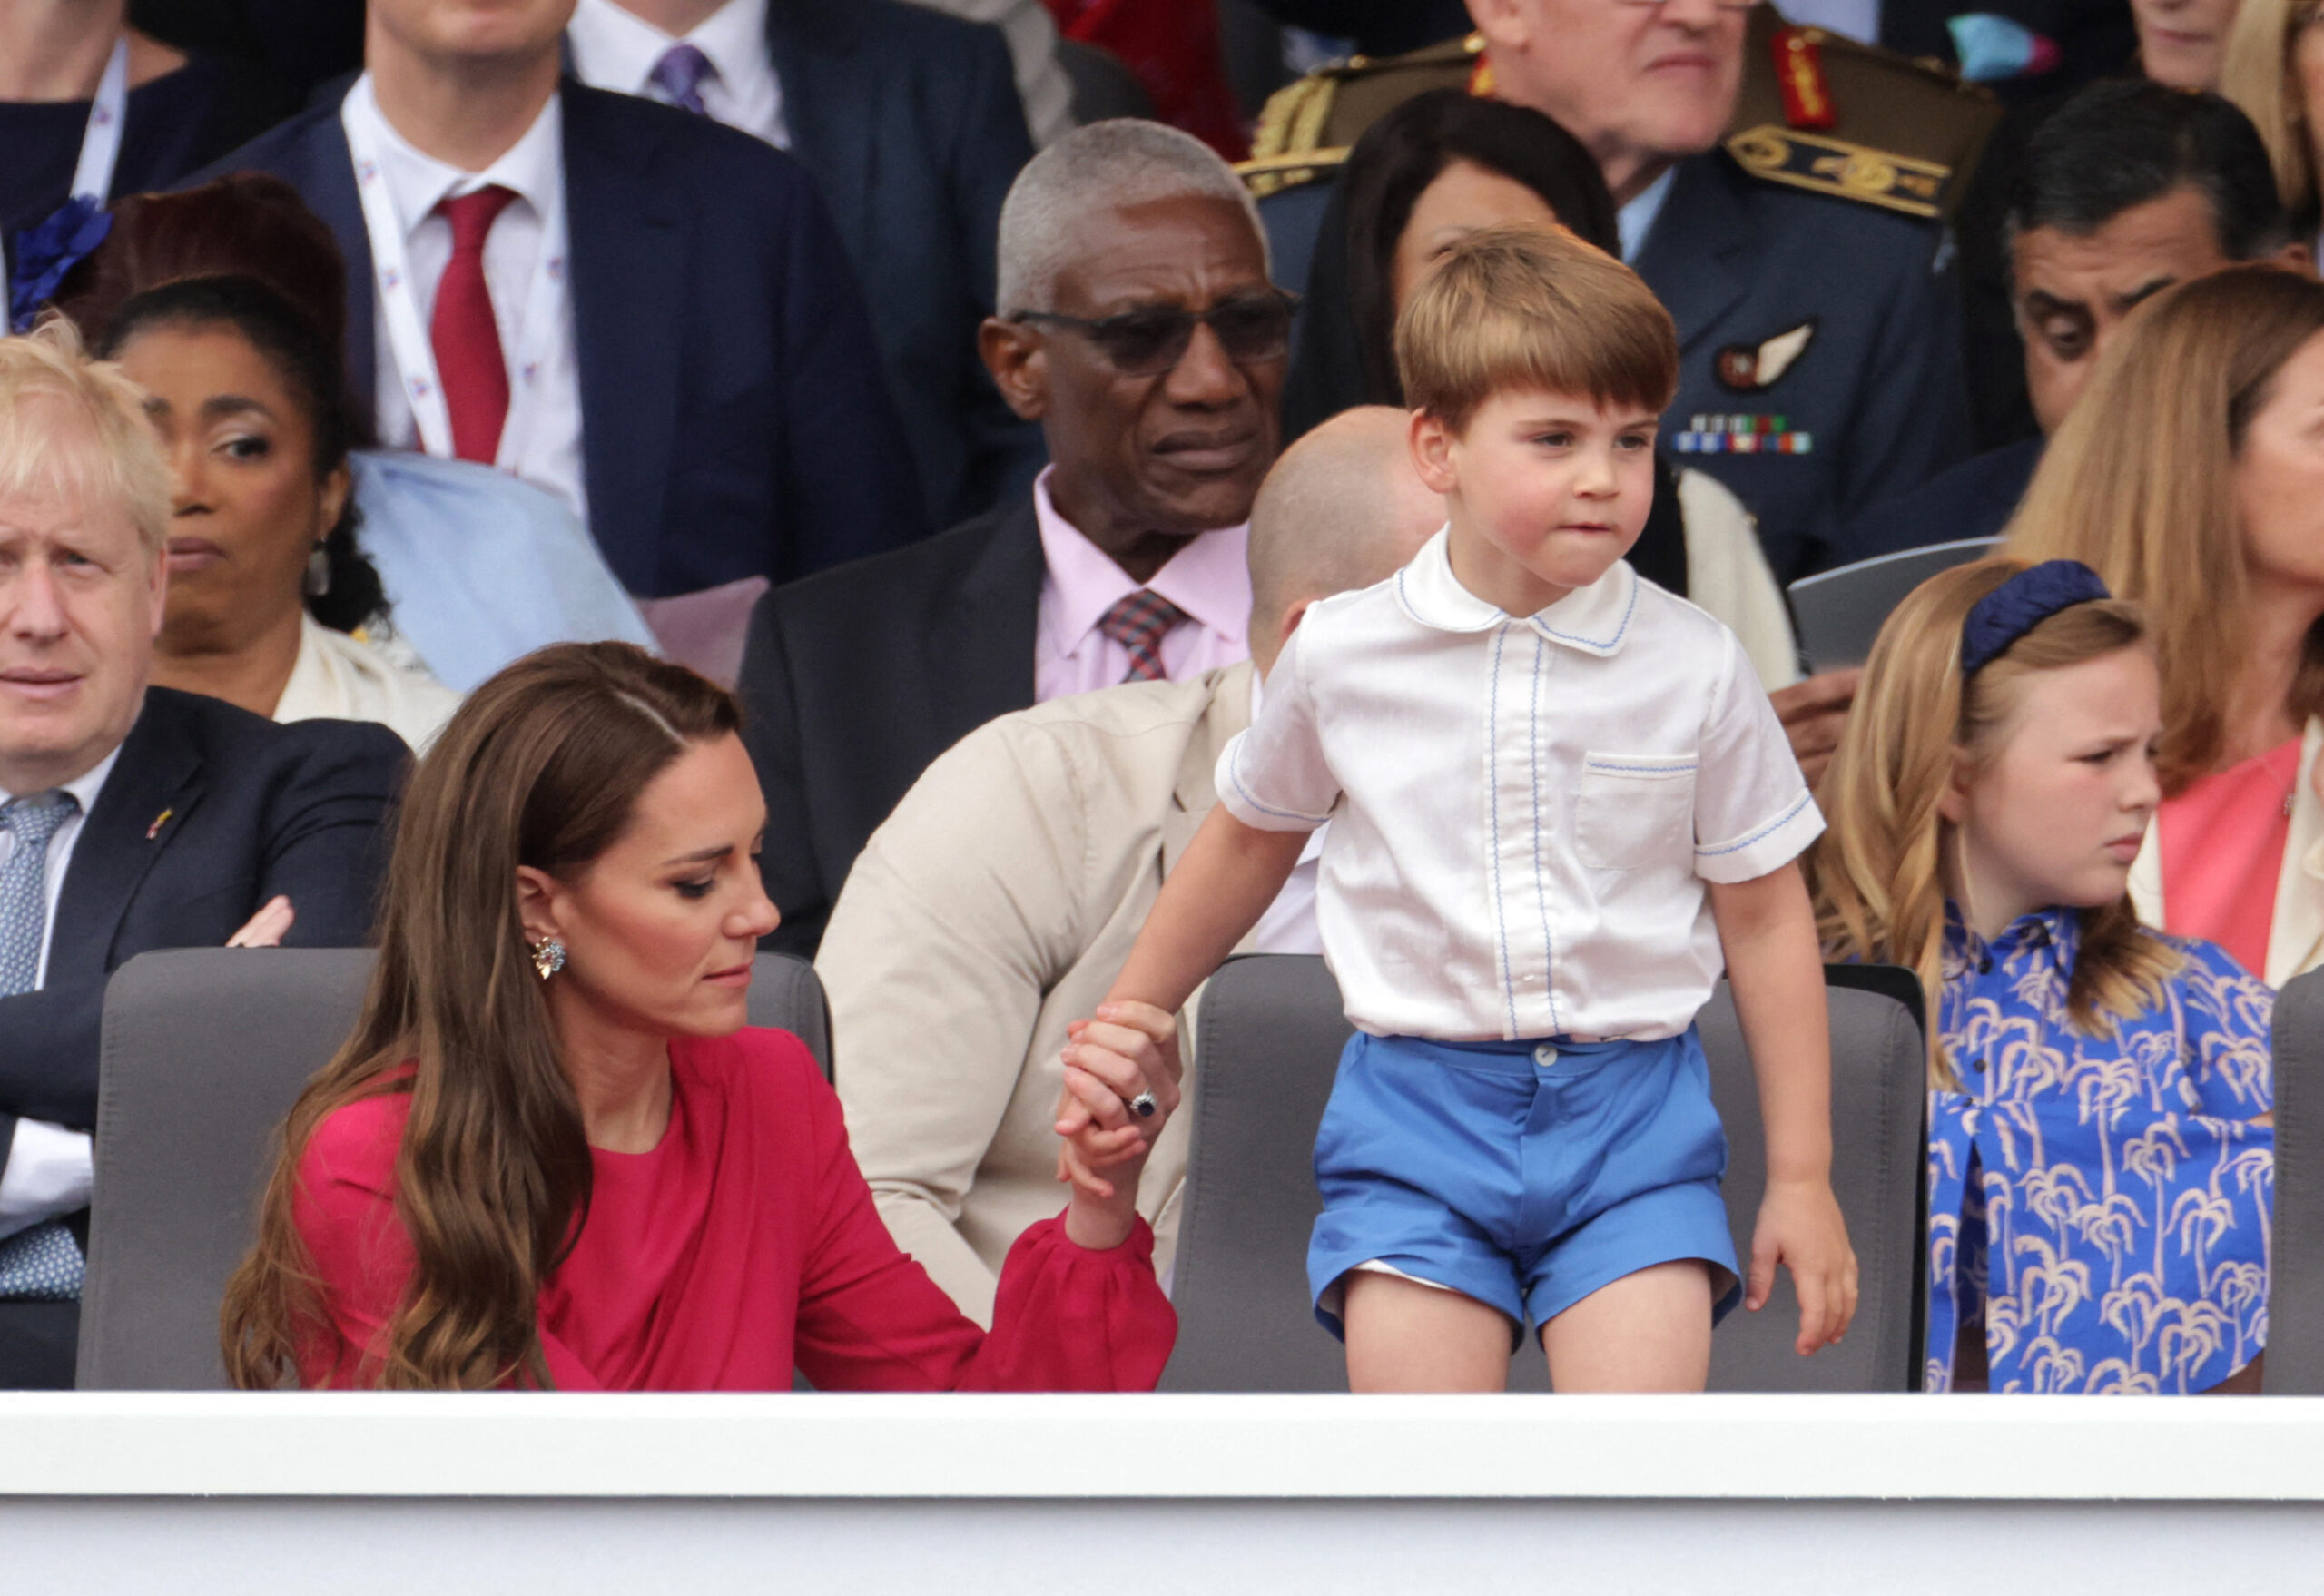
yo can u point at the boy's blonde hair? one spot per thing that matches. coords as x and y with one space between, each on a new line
75 428
1519 307
1877 874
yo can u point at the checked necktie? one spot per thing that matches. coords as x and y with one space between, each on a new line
1138 622
42 1264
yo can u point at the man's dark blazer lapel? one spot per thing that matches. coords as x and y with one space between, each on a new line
626 263
980 652
831 91
321 167
1690 256
159 771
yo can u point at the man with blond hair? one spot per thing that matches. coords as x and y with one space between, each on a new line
1002 897
131 817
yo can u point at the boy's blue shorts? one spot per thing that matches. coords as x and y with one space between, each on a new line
1525 1175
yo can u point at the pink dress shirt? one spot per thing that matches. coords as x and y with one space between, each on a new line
1208 579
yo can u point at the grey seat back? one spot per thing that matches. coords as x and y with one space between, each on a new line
1268 1044
2295 1364
1839 612
205 1051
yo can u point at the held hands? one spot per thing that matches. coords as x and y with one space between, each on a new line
1128 1049
267 928
1800 1225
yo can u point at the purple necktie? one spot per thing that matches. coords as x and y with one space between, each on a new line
679 74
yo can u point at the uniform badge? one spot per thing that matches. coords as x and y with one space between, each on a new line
1750 368
1799 75
1741 435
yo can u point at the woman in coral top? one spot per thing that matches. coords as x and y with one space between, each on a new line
2191 476
551 1155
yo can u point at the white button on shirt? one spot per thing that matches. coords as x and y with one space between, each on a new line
614 49
1627 756
48 1171
548 447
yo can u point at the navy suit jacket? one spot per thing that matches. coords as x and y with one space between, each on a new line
854 681
735 420
908 120
253 809
1738 260
1973 499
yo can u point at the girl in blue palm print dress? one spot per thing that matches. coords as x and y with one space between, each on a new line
2100 1158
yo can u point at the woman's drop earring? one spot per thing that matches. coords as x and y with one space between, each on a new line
548 957
318 573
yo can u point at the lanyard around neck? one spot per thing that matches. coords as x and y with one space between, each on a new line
398 298
101 140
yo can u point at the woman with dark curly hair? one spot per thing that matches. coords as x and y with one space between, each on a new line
268 589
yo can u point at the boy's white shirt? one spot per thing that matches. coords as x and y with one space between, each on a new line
1633 757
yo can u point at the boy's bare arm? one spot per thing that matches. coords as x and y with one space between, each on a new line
1229 874
1767 928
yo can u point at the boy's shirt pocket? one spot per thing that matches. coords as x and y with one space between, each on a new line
1634 810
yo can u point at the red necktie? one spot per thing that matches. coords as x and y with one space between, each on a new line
1138 622
467 341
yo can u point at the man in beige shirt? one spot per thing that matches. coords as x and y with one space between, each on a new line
1000 899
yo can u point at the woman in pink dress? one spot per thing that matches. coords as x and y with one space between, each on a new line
552 1155
2191 476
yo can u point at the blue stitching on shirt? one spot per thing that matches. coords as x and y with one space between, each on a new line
1540 892
1591 641
1235 775
1493 792
1637 770
1765 831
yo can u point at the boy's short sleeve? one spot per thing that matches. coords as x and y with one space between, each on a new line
1274 777
1753 811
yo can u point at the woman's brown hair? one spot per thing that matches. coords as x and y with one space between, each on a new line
1878 874
541 767
2139 485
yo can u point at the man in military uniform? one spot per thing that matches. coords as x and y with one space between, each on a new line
1806 267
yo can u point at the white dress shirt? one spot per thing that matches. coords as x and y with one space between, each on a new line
1627 756
49 1169
546 452
615 49
1209 578
1288 926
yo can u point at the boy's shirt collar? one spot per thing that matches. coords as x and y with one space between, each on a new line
1595 619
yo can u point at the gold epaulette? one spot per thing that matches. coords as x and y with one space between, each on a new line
1825 114
1826 165
1287 140
1307 128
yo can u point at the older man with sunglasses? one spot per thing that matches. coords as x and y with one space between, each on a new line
1138 327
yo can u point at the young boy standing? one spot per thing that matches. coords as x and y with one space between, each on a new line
1559 801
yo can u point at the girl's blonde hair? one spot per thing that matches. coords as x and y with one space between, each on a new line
2139 485
1878 874
2256 75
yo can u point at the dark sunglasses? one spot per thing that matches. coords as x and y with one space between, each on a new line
1153 338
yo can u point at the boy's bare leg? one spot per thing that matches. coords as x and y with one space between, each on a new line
1402 1335
1649 1331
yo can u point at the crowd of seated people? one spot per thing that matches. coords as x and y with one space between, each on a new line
574 493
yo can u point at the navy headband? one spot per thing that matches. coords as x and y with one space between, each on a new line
2021 604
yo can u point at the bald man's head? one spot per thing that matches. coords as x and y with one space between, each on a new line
1342 508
